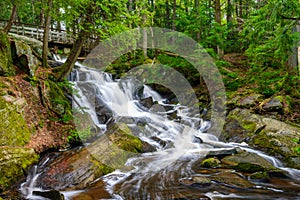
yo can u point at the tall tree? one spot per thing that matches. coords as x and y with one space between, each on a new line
271 32
220 51
46 34
8 26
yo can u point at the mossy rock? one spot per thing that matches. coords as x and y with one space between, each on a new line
240 124
35 44
122 137
116 146
260 176
248 167
248 162
14 161
231 179
14 130
274 137
210 163
6 63
76 168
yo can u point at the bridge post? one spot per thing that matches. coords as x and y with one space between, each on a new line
23 29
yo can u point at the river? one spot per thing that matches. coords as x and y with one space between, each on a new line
180 138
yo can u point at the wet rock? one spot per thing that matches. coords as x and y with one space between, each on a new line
172 115
147 102
52 194
231 179
210 163
196 181
147 147
221 152
158 140
200 180
269 135
247 162
76 168
6 62
14 162
225 178
260 177
197 140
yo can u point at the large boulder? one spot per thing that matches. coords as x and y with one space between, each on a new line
14 130
23 57
15 134
79 167
14 161
36 45
248 162
6 63
274 137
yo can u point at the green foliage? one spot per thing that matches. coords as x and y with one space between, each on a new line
270 33
297 149
33 80
231 79
182 66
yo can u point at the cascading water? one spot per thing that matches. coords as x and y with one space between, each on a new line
179 142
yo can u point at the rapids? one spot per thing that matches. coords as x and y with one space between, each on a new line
179 141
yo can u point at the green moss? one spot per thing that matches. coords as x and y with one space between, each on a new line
58 100
259 176
248 168
6 64
14 161
210 163
248 125
123 139
14 130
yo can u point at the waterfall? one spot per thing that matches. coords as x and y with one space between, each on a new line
179 139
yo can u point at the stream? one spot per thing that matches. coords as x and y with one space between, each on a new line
180 139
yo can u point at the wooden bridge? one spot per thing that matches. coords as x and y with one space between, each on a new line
56 37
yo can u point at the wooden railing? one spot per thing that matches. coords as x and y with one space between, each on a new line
37 32
55 35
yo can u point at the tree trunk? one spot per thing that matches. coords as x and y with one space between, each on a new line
240 8
218 20
198 33
167 14
229 13
130 6
174 16
46 35
11 19
67 67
